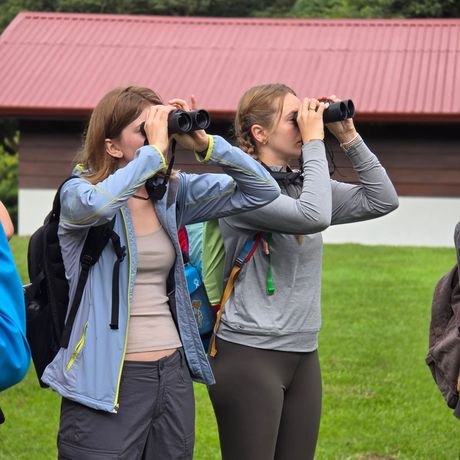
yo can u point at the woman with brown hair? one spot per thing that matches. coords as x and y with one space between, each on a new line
126 375
267 398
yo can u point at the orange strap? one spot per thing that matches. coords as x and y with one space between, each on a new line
227 291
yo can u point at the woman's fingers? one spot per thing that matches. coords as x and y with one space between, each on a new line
156 126
333 98
194 101
310 119
180 104
321 108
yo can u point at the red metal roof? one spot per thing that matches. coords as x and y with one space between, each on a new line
61 64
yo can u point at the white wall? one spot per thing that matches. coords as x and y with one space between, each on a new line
33 206
417 222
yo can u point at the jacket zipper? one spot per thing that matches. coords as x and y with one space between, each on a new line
77 350
115 404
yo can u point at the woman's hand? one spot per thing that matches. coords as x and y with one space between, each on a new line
344 131
310 119
156 126
196 141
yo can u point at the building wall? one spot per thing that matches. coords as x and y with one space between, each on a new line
419 221
422 161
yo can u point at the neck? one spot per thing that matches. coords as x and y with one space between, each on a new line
270 158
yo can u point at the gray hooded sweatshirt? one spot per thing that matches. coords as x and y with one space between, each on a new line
290 319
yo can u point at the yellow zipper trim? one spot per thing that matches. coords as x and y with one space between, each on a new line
115 404
78 348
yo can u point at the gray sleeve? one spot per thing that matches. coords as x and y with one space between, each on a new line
375 196
310 213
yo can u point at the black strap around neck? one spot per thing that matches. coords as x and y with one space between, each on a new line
287 177
157 191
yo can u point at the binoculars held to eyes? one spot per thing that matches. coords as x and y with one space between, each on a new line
181 122
337 111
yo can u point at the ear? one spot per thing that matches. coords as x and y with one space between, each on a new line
112 149
259 134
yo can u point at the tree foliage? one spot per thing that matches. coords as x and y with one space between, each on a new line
214 8
241 8
376 9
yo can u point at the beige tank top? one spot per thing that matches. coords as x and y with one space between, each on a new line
151 326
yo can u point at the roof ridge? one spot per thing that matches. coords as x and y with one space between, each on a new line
238 20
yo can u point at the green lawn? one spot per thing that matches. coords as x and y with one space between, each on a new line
380 401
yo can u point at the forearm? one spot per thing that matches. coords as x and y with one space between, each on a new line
246 185
253 182
373 197
85 204
309 213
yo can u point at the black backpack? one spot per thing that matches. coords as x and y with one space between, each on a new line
49 315
444 341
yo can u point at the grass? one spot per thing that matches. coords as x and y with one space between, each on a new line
379 399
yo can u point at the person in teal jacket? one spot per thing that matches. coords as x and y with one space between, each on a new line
127 391
14 349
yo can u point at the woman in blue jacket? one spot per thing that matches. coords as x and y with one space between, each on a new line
127 392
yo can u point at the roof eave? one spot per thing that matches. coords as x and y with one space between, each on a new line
415 117
228 115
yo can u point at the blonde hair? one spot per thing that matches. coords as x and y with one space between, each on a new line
259 105
116 110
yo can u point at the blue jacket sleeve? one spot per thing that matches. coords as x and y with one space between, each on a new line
14 349
246 185
84 204
309 213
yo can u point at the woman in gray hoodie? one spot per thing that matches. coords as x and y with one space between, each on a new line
267 398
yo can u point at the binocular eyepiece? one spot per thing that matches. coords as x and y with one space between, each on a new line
181 122
337 111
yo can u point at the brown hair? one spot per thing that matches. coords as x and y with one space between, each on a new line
258 105
116 110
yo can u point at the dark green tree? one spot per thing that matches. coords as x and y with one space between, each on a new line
376 9
424 8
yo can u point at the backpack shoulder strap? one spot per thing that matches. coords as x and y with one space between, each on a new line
56 211
95 242
244 257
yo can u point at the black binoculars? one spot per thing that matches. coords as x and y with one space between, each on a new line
181 122
337 111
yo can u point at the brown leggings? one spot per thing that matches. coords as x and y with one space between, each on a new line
267 403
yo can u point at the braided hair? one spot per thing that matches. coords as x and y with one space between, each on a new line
260 105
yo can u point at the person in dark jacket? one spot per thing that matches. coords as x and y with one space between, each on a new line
444 338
